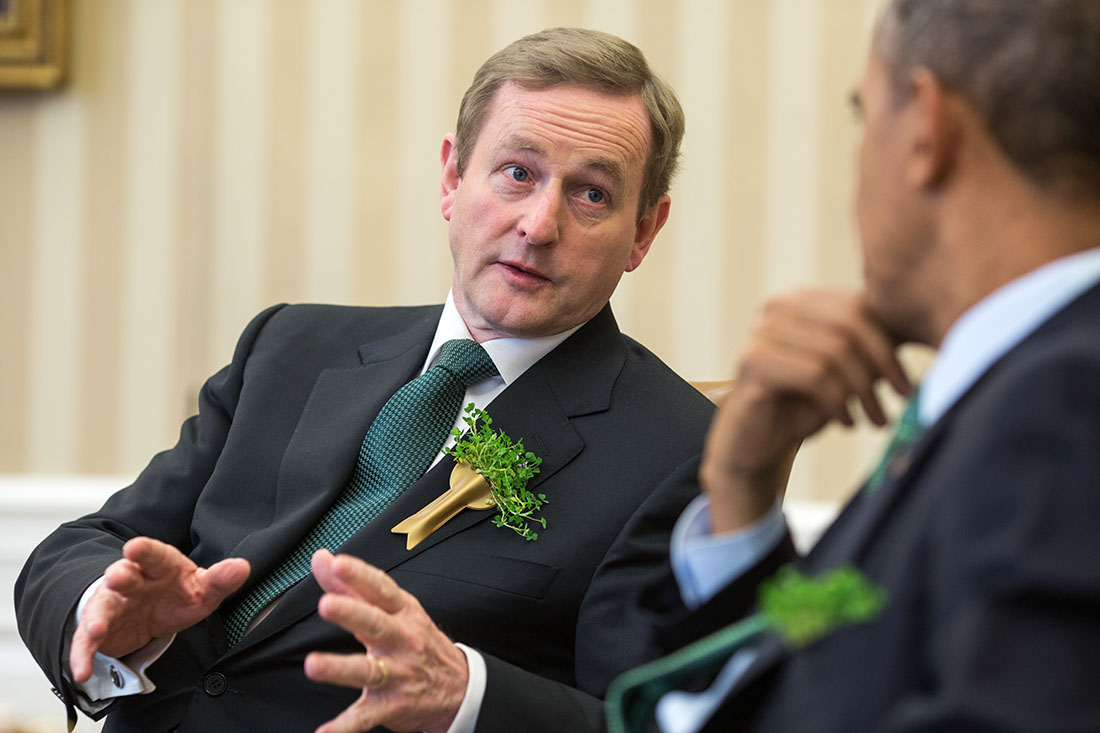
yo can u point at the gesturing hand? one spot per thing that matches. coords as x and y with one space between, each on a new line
154 590
412 677
810 356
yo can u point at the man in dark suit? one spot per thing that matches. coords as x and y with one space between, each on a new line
979 213
554 185
976 545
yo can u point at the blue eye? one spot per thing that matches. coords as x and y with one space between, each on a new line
595 195
516 173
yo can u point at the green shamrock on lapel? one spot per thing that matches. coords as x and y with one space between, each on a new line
804 609
507 468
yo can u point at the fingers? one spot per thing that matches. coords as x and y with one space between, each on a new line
95 621
832 380
348 670
124 576
369 624
828 348
153 591
415 675
153 557
323 565
360 599
784 368
81 653
145 561
85 643
152 570
222 578
813 357
883 350
349 575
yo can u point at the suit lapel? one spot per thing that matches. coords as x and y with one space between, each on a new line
549 426
321 454
529 410
848 538
574 379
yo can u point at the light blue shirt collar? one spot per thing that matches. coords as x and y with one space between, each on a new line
1000 321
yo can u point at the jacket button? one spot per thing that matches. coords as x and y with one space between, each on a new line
214 684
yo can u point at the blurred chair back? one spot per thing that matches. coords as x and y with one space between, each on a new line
714 391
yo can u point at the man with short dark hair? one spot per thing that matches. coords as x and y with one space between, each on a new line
554 186
959 589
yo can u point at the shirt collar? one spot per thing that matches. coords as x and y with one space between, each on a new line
1000 321
512 356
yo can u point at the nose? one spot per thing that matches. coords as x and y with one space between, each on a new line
539 223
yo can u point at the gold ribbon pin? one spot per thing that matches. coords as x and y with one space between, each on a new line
469 490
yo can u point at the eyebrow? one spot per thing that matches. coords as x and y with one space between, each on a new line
607 167
610 169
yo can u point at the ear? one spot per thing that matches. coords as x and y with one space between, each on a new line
448 185
646 231
933 131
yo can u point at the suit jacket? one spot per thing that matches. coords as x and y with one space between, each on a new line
275 442
986 537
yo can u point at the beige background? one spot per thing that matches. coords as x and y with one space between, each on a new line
210 157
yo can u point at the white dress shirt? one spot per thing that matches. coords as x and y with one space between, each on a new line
981 336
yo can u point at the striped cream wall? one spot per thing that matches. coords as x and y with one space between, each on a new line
210 157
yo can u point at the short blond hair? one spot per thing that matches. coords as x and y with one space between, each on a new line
590 59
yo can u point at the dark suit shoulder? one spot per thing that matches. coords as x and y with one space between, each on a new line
1022 443
646 378
1046 380
985 552
317 324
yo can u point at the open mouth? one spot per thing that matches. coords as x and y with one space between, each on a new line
521 273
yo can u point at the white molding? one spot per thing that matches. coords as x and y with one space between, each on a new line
31 506
51 493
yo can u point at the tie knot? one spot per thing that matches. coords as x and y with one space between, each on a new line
467 360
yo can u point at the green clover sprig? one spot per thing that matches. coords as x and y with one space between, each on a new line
507 468
804 609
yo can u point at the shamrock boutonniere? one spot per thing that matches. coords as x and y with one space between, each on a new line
507 468
804 609
490 470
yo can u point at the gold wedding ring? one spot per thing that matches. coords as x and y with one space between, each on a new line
385 673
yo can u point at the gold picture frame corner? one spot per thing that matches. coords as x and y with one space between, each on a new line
34 44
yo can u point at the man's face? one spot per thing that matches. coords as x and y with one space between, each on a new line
892 217
544 220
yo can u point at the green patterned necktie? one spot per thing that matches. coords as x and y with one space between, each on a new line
398 448
905 435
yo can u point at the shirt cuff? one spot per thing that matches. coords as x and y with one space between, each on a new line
113 677
466 718
704 563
